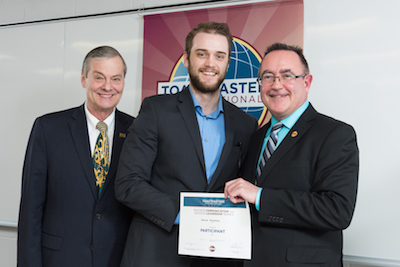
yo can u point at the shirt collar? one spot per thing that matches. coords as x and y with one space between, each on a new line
292 118
199 109
92 120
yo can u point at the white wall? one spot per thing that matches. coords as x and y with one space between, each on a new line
350 46
354 53
15 11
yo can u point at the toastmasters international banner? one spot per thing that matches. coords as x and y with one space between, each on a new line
253 26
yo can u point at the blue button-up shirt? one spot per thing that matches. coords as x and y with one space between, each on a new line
212 132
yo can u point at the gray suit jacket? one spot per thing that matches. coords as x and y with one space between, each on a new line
162 157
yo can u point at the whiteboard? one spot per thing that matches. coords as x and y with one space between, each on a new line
353 50
40 73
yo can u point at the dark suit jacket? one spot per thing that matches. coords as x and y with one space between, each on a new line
309 193
162 157
62 221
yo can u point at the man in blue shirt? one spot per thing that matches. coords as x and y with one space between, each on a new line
189 141
300 173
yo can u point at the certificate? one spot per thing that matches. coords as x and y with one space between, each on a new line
212 226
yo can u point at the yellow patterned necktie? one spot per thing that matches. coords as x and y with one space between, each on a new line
100 156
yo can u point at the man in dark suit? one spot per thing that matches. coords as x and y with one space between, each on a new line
305 193
191 141
68 217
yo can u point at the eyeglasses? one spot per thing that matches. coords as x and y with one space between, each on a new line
286 78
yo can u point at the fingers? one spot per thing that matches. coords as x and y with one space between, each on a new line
229 187
239 190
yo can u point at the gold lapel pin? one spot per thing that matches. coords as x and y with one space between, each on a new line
295 133
122 135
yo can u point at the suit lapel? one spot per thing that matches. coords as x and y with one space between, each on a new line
226 151
186 108
79 133
120 132
294 135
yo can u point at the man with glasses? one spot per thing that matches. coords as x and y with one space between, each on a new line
300 173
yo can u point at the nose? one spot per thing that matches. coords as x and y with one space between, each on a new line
108 85
210 61
277 84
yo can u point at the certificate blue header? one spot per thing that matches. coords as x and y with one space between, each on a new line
211 202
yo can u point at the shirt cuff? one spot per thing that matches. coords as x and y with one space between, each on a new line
257 204
177 218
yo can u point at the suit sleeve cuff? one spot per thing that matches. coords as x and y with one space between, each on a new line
257 204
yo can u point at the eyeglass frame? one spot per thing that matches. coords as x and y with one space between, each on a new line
279 77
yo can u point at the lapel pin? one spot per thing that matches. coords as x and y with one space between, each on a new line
122 135
295 133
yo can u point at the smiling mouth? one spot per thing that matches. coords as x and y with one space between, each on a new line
107 96
278 95
209 73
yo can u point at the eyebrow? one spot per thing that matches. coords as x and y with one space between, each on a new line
281 71
286 70
205 50
113 76
97 72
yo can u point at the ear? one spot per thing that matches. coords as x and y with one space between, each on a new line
83 80
307 82
185 60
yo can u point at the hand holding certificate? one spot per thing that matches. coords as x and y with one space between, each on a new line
212 226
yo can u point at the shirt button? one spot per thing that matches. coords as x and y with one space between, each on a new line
206 140
98 216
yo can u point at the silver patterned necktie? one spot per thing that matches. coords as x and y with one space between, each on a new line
270 147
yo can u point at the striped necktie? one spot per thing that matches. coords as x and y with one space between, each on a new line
270 147
101 156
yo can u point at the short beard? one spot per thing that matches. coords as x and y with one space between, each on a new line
201 87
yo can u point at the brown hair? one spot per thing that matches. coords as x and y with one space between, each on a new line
209 27
298 50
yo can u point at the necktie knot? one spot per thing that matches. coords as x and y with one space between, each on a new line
102 126
273 138
277 126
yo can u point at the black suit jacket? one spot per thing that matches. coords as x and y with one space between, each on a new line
162 157
62 220
309 193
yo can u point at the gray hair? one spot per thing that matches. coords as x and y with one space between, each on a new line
99 53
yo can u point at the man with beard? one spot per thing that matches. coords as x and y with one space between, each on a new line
190 141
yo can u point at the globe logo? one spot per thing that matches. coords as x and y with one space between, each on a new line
240 85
